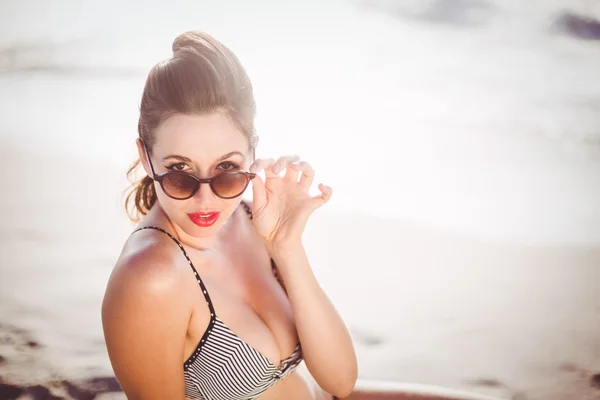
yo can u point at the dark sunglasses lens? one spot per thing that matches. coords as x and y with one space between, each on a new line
230 184
179 185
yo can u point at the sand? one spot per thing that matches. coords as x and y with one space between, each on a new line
424 306
477 266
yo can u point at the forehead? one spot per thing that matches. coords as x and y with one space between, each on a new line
199 137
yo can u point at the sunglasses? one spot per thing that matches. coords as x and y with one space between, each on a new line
181 185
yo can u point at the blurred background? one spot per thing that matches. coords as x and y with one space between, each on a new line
461 137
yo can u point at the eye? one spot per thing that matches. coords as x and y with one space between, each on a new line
177 167
228 165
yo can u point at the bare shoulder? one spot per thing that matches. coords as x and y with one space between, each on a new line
148 273
151 262
144 307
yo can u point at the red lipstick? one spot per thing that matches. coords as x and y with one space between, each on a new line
204 219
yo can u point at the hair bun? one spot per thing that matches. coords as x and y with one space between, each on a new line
195 40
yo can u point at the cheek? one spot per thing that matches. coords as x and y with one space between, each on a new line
228 207
174 206
171 206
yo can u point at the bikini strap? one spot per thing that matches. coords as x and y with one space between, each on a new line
248 209
204 291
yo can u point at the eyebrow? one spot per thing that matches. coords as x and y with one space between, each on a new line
185 159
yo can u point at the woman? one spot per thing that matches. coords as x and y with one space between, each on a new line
213 298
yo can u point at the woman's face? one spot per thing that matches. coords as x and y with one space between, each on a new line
204 146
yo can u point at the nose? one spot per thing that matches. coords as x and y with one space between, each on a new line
204 195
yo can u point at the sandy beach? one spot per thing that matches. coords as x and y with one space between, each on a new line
462 244
511 321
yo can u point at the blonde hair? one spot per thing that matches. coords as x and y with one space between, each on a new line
201 77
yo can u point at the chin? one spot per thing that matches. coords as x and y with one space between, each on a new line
204 231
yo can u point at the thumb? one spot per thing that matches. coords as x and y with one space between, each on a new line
324 197
259 193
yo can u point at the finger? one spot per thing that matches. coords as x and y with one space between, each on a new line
263 164
291 173
324 197
259 164
259 193
308 173
283 162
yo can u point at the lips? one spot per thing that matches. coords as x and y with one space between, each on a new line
204 219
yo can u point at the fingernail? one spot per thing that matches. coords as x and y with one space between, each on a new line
276 168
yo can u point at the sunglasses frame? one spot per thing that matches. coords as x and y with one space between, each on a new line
159 178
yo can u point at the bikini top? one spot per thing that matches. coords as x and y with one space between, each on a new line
224 367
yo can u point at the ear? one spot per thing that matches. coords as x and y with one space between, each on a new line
142 155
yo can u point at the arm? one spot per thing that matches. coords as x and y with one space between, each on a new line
281 208
145 323
326 343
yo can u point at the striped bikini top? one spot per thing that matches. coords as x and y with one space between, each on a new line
224 367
